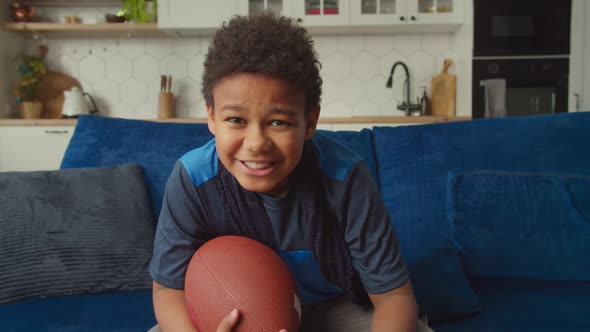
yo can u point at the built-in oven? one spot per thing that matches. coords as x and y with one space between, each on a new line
520 86
520 57
521 27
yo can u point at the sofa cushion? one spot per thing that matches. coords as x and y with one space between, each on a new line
413 163
521 225
104 141
116 312
74 231
526 305
409 188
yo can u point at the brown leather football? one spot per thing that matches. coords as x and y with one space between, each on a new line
237 272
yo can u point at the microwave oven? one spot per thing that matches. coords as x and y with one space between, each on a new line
521 27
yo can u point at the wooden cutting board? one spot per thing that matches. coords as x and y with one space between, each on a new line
50 92
443 91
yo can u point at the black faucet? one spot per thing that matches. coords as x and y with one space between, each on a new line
406 105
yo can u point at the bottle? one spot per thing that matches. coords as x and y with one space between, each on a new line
424 103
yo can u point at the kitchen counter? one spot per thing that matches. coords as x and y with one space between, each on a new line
338 120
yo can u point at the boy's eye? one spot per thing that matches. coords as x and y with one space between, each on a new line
278 123
235 120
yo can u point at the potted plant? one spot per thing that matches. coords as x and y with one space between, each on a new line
31 70
140 11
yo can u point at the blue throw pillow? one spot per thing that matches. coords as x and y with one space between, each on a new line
104 141
518 225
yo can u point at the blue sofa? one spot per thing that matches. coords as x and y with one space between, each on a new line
493 217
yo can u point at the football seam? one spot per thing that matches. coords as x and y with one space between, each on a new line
209 270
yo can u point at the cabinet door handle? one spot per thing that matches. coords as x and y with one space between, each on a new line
577 96
413 18
401 18
299 20
58 132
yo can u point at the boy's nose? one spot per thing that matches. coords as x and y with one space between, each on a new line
256 139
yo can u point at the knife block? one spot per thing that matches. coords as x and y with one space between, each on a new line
166 105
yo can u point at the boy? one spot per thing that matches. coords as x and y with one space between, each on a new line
263 176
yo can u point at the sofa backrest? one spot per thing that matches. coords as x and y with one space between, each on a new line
360 142
510 196
107 141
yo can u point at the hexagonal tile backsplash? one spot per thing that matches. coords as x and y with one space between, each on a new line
123 75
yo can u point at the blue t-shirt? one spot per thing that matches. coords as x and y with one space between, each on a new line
192 205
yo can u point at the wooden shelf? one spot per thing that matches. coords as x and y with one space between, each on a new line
362 120
77 3
83 30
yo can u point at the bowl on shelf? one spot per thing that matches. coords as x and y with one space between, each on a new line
112 18
22 13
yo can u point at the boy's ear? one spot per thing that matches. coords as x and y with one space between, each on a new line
311 122
211 119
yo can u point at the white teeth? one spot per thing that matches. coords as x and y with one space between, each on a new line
255 165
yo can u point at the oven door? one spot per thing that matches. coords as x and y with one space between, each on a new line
519 87
523 27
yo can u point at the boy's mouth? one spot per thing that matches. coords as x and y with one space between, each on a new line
258 168
257 165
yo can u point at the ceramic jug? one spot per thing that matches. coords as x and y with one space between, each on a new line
77 103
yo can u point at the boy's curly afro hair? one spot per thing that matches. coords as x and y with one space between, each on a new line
265 44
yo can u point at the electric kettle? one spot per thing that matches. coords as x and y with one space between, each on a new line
77 103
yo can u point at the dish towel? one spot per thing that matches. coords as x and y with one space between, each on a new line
495 97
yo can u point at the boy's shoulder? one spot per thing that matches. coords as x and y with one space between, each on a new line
201 163
336 160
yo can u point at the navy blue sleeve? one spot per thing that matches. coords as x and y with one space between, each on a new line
180 232
370 235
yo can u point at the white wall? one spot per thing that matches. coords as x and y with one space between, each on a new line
585 95
579 78
123 74
10 47
462 46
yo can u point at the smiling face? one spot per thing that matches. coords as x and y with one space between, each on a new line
260 125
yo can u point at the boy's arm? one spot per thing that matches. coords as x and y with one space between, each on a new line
395 310
170 309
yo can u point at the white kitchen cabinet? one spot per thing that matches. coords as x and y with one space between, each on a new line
33 148
406 12
252 7
369 12
200 17
322 12
435 11
195 14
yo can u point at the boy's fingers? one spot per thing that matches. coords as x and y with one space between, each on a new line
229 321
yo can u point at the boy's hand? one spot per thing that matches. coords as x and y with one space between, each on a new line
230 321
